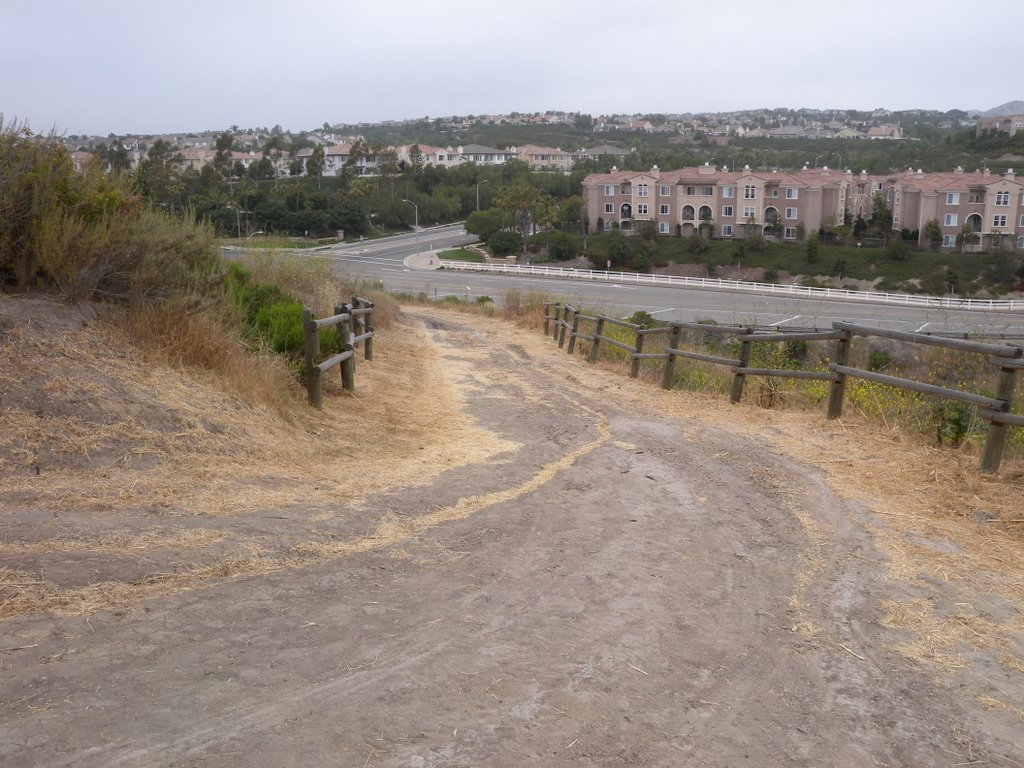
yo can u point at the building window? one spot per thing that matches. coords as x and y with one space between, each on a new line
948 241
748 212
609 190
641 209
663 209
1022 221
791 213
663 227
641 190
727 230
708 191
691 190
976 197
950 220
999 221
749 192
1002 198
1020 242
624 189
791 193
664 190
771 193
609 207
729 192
790 233
726 211
608 226
952 198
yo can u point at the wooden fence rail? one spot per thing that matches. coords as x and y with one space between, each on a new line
563 319
348 318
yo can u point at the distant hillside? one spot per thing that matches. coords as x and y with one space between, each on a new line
1009 108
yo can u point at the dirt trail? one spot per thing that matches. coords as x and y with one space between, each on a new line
620 582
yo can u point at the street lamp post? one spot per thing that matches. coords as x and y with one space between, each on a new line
816 161
415 213
484 181
840 159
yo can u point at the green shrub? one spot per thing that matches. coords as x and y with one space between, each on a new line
505 243
563 246
953 422
272 318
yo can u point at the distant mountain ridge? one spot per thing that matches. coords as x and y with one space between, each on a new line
1009 108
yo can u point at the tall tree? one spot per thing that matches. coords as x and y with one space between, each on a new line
519 201
315 164
156 176
222 156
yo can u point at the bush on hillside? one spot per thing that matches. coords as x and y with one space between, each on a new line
270 317
88 233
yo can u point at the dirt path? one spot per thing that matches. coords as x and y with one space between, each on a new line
618 587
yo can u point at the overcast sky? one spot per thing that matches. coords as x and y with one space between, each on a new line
102 67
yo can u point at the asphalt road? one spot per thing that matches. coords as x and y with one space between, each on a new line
383 261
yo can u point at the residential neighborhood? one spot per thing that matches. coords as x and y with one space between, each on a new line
974 210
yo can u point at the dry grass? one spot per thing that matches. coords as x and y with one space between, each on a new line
118 432
185 335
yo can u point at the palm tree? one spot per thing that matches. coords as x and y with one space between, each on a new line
519 201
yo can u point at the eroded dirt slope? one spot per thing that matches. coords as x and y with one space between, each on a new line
584 572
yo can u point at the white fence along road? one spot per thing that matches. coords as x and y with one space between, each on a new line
841 294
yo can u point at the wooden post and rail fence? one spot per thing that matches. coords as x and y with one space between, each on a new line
563 319
355 324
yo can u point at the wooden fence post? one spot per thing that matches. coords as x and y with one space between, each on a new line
738 379
995 440
348 367
563 324
670 362
598 330
368 343
363 325
311 348
575 329
347 331
547 317
358 323
837 391
634 365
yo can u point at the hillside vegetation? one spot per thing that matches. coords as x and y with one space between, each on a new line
90 237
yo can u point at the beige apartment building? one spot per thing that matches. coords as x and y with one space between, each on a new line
546 158
987 207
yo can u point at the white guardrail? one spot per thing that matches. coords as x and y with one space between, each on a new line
713 283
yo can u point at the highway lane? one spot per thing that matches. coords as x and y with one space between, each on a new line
383 262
